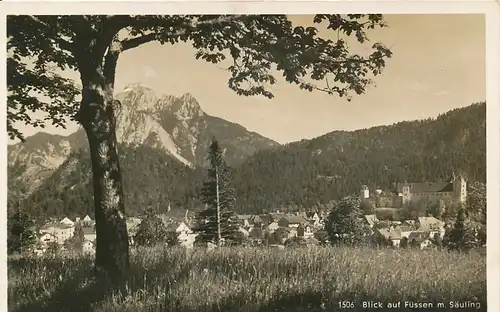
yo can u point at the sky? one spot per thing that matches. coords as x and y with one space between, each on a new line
439 63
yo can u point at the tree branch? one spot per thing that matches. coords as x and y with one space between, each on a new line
63 44
128 44
111 59
109 26
137 41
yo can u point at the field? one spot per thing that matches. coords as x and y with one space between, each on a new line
255 280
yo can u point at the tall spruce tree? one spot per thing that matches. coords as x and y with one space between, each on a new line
217 222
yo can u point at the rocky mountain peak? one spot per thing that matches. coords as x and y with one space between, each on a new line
138 97
185 107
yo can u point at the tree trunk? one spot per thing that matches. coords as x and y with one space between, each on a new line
98 119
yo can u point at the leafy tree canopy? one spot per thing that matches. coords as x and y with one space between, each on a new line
20 234
345 224
463 236
151 231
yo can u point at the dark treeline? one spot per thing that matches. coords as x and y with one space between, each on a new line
300 174
151 179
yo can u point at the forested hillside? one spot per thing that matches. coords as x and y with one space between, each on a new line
329 167
301 174
150 179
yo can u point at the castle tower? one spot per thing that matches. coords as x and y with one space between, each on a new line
406 193
459 188
365 193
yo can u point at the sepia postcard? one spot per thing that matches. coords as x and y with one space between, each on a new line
250 156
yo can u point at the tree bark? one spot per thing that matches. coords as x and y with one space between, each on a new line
97 117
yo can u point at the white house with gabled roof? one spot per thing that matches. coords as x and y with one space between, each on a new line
87 221
67 221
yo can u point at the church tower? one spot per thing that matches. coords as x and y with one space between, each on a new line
406 193
364 193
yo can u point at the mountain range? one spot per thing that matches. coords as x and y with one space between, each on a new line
163 143
177 126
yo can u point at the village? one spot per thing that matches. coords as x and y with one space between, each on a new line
308 227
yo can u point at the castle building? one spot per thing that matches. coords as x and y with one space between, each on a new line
454 190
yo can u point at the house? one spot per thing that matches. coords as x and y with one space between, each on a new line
391 236
271 228
292 221
182 228
371 219
67 221
418 238
301 214
88 247
61 231
89 233
276 216
47 238
431 225
315 219
266 219
87 221
292 232
313 216
244 220
185 235
405 230
306 228
257 221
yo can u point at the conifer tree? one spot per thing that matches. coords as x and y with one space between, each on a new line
217 222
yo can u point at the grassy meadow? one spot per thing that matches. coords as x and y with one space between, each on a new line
251 280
